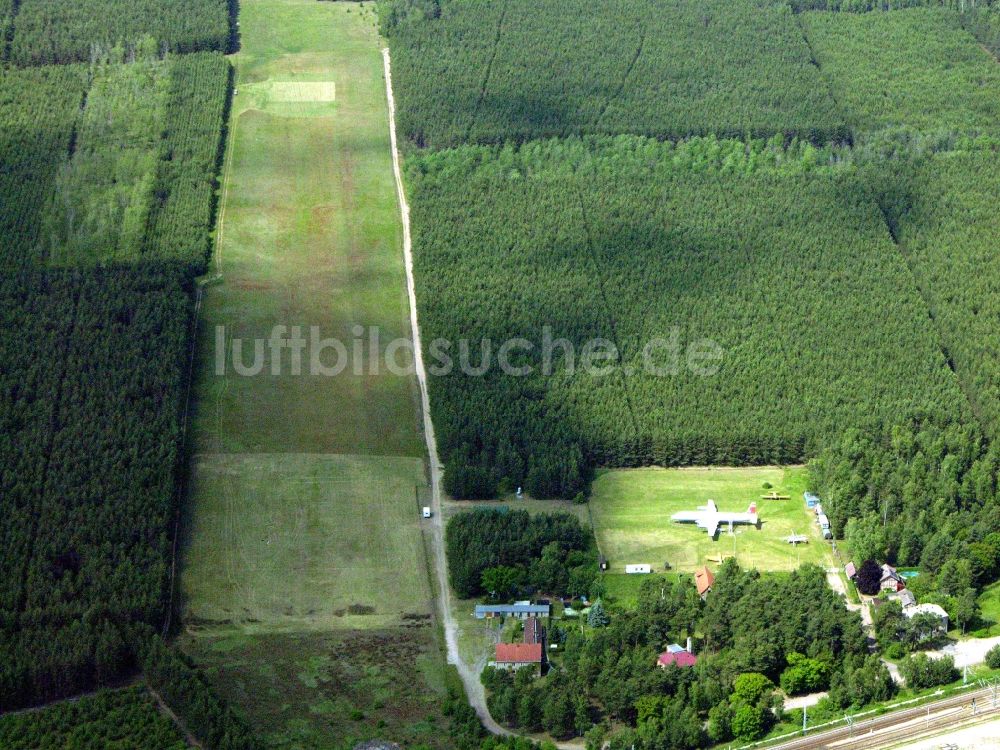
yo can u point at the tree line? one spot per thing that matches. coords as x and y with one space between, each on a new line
42 32
499 552
127 719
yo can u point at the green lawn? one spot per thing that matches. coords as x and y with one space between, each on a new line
989 604
632 510
310 236
623 590
299 541
303 485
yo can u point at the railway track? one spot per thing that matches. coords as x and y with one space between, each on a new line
892 728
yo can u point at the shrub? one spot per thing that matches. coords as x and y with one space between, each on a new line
921 671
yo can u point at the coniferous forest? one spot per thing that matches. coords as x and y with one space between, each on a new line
804 237
110 143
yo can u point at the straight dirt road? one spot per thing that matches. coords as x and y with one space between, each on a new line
473 687
470 675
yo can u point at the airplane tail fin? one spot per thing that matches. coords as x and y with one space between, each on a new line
753 508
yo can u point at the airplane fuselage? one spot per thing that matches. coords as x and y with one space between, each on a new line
710 518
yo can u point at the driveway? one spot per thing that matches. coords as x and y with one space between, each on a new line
969 652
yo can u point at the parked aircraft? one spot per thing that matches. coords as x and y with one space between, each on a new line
709 517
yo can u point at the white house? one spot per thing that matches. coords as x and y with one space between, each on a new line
928 609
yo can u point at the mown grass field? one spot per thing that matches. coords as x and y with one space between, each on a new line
309 236
300 541
305 588
632 510
295 475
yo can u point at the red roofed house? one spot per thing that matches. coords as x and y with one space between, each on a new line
703 580
518 655
677 656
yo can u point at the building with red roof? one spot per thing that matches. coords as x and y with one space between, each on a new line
703 581
677 656
518 655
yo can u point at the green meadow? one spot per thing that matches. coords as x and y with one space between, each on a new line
632 509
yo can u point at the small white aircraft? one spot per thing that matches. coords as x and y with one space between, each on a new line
709 517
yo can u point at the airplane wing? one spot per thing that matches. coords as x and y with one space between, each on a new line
710 525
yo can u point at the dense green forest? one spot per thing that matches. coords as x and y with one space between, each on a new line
609 678
107 179
101 163
919 492
915 68
38 111
489 72
785 264
91 397
942 209
53 31
503 552
127 719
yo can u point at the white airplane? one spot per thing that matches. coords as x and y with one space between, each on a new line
709 517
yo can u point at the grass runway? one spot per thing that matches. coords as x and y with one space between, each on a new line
304 585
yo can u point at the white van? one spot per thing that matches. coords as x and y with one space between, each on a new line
427 511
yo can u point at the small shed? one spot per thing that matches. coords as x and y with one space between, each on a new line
850 571
703 580
905 598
